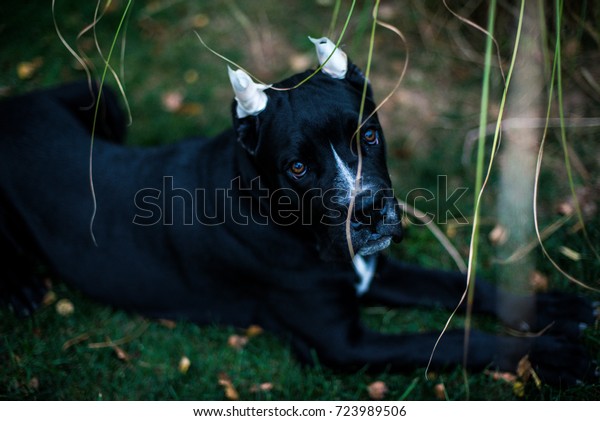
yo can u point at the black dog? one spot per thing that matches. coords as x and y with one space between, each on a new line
250 227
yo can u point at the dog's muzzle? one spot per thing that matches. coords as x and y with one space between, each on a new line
375 222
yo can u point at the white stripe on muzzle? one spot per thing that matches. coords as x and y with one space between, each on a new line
345 180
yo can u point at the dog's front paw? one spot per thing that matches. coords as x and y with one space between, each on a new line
566 314
556 360
554 312
25 298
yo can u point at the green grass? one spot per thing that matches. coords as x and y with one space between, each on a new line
426 123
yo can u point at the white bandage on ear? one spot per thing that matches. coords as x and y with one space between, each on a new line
251 98
337 65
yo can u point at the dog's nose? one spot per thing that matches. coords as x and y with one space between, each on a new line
371 207
378 212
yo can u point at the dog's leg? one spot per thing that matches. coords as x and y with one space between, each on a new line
327 323
21 289
399 284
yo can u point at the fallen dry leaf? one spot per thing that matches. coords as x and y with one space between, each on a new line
536 379
439 390
587 199
565 208
263 387
228 388
5 91
451 230
172 101
498 235
169 324
300 62
524 368
112 7
200 21
34 383
49 298
190 109
507 377
65 307
525 372
27 69
121 354
184 365
570 253
190 76
377 390
253 331
538 281
76 340
237 341
519 389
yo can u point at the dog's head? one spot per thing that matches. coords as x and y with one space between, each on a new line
306 145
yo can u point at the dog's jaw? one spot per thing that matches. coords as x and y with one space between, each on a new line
375 245
346 181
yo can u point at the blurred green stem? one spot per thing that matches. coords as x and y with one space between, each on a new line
483 111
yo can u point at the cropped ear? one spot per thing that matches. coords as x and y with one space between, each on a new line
247 131
250 101
333 60
337 64
357 79
251 98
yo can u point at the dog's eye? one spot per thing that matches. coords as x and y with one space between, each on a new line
298 169
371 137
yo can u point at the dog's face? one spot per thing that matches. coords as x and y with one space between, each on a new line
304 143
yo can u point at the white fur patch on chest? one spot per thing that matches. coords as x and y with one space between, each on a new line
365 268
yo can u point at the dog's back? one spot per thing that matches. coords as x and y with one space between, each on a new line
47 204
